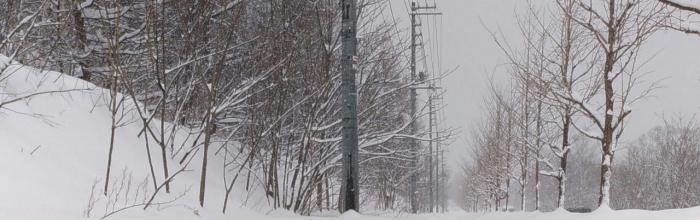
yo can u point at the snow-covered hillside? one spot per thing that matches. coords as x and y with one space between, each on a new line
53 150
53 155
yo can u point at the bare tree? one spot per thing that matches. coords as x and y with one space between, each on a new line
577 61
681 24
619 29
658 165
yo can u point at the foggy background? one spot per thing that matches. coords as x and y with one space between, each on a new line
674 60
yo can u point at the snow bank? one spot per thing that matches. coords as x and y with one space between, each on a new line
53 155
605 214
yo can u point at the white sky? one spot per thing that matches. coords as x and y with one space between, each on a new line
467 44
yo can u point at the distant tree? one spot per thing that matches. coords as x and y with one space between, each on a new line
661 166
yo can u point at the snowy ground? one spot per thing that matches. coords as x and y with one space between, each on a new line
53 150
53 154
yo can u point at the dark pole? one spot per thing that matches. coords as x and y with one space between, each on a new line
414 144
350 190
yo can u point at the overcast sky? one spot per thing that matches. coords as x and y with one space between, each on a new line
467 44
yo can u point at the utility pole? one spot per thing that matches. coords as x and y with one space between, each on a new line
435 149
440 156
443 180
413 197
433 172
412 189
350 191
431 121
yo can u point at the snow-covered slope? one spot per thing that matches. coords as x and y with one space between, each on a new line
53 155
53 150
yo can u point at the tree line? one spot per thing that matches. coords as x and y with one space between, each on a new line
562 114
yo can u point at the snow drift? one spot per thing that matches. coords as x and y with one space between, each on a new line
54 139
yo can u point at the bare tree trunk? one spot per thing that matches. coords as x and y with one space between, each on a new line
563 160
607 157
81 34
207 140
524 165
509 159
538 145
113 111
163 147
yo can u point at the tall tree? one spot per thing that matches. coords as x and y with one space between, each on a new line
620 29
